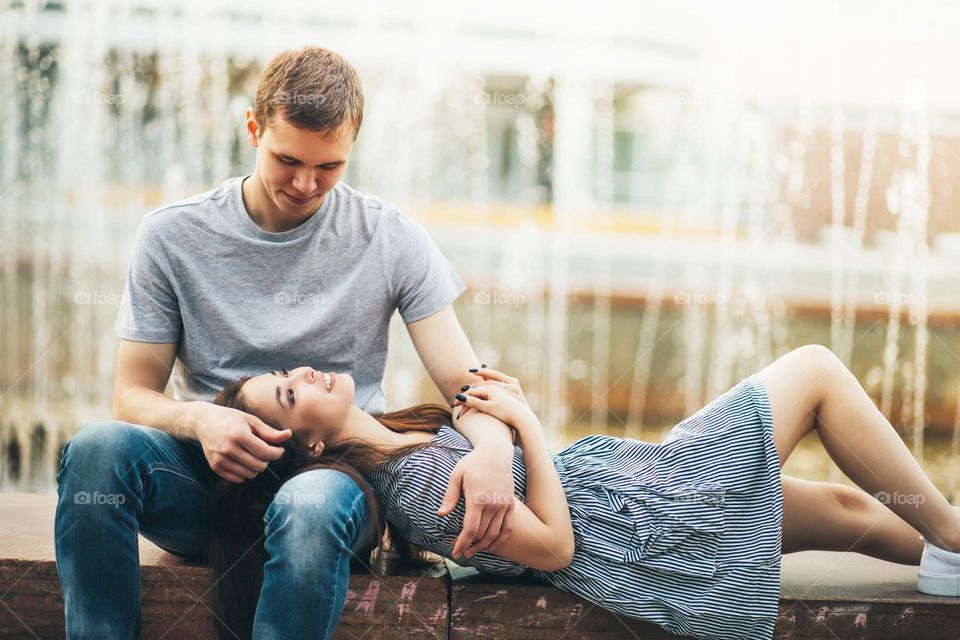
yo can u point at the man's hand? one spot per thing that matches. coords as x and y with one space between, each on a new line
238 446
485 477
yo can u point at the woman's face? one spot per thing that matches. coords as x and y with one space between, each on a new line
310 403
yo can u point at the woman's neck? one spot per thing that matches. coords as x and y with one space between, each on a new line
360 425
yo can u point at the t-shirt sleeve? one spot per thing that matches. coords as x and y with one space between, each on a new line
423 280
149 308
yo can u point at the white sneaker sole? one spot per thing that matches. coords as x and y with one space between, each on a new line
938 584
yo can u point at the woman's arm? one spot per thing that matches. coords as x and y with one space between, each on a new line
484 477
542 536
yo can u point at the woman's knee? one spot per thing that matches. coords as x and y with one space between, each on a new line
818 359
812 371
850 501
797 384
826 516
821 362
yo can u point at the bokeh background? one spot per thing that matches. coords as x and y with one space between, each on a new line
648 200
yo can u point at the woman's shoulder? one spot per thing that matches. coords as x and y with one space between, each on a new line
445 448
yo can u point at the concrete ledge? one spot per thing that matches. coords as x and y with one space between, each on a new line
824 595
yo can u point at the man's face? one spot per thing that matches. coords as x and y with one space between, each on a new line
297 167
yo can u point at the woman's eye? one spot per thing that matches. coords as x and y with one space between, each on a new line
284 371
290 396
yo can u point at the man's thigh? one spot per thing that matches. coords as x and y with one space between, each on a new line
175 516
168 479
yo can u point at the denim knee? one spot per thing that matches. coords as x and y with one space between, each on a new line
104 456
100 443
320 504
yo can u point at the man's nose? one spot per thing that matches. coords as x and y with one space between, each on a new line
305 182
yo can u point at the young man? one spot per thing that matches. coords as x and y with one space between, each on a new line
284 265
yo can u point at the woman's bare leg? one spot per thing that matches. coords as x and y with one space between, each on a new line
810 388
834 517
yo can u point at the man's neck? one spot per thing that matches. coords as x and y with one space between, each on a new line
262 210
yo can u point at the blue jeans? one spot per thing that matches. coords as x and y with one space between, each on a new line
117 480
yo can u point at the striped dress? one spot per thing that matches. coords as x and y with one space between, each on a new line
684 533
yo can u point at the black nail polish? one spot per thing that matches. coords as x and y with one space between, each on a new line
464 387
483 366
461 397
473 370
458 413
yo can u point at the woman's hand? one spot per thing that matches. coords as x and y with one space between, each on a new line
509 384
502 401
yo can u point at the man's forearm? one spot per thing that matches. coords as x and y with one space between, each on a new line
483 430
139 405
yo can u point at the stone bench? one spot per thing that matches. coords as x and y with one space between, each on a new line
824 595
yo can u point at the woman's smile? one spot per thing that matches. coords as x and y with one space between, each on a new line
329 379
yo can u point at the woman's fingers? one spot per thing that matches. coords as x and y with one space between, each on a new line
485 520
505 529
492 374
487 535
493 388
482 392
473 397
480 400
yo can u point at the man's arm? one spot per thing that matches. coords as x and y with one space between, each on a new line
448 357
485 476
143 369
236 444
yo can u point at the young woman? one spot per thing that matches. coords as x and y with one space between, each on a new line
687 533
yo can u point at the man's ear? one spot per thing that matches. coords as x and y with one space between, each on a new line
252 125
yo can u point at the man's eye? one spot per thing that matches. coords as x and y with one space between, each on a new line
290 396
288 161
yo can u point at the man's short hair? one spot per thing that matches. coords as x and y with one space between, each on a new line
311 88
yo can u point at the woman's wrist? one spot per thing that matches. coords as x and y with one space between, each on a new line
529 431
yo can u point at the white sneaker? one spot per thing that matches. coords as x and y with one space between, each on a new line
939 571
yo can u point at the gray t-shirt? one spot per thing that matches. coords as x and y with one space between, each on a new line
242 301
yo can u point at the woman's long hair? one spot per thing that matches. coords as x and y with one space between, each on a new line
236 552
